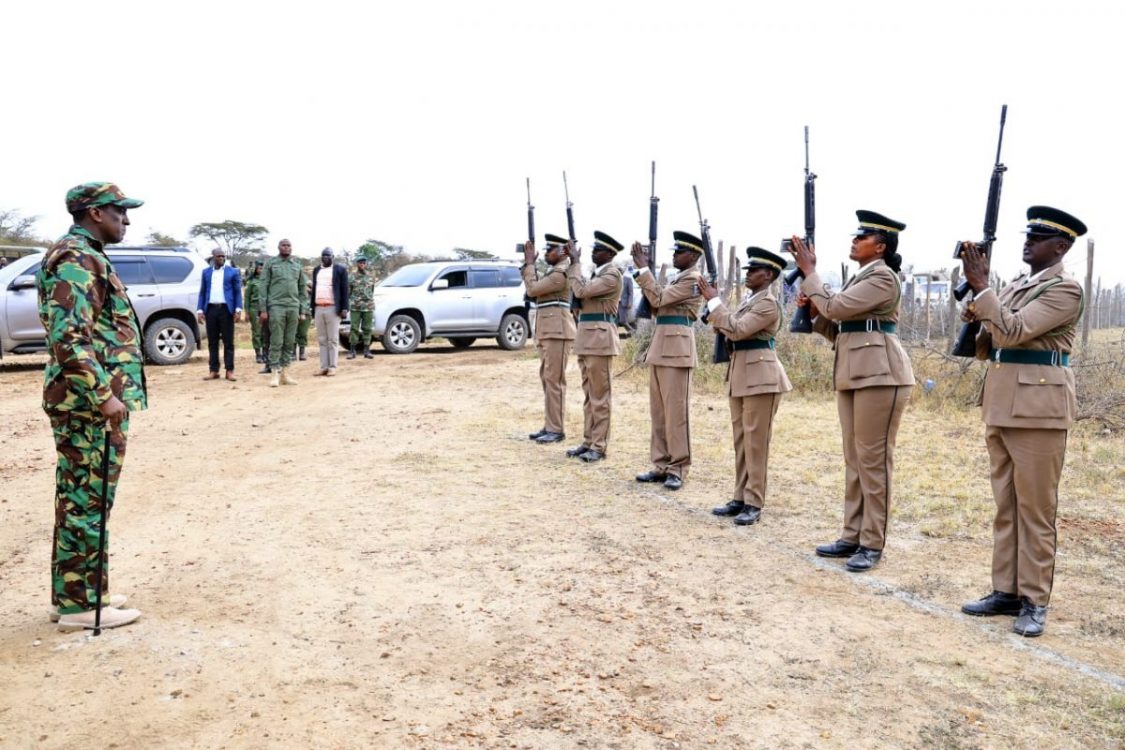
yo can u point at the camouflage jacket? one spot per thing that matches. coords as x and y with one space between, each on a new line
283 283
252 290
361 292
93 336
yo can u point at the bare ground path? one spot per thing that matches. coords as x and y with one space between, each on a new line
383 560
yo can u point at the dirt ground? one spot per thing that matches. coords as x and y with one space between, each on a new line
384 560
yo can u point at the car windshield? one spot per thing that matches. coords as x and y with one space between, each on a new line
408 276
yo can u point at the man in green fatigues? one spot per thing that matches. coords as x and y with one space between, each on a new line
283 305
94 378
361 302
253 294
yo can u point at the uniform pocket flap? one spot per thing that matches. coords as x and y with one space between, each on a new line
866 340
1045 375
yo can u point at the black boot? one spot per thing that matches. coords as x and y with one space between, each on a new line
301 356
351 352
258 356
367 351
265 368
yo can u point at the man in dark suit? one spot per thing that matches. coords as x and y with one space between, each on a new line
329 301
220 303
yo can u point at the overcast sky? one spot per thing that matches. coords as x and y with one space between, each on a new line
416 123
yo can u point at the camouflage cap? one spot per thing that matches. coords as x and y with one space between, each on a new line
92 194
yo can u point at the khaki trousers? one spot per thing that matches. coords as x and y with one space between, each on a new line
553 354
1026 466
869 420
597 388
669 392
751 418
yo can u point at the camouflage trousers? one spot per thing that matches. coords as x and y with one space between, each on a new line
361 328
79 443
283 334
303 330
255 331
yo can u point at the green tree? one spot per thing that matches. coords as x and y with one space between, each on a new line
466 254
17 229
240 240
159 239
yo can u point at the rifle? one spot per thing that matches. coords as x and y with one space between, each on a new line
530 237
720 354
645 309
802 321
575 303
965 346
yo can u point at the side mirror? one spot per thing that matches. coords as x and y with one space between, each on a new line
440 284
27 281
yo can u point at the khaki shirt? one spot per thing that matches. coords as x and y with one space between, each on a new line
1040 315
753 371
553 321
599 295
865 358
672 345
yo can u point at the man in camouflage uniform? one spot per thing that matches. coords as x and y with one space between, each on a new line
283 304
253 298
361 302
93 379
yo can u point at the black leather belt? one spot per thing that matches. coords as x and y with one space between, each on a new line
861 326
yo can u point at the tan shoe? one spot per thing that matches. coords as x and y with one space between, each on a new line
111 618
117 601
230 375
286 378
275 379
330 372
211 376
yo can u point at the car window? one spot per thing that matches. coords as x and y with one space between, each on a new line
408 276
456 278
170 270
132 270
488 277
510 276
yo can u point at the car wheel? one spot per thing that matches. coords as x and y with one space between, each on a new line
402 335
513 332
169 341
462 342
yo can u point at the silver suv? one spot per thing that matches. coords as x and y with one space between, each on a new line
163 285
457 300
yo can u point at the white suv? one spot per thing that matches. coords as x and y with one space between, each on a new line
457 300
163 285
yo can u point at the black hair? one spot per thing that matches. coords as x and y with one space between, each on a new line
890 254
79 215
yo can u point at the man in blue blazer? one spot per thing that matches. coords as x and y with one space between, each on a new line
219 305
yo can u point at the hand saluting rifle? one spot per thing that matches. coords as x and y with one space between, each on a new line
720 354
965 345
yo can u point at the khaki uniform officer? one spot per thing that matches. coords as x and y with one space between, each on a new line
671 359
554 332
1027 334
873 379
756 379
596 343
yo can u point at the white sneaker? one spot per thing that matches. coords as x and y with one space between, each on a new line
111 618
117 601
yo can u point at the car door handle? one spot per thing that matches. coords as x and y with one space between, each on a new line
146 295
469 297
